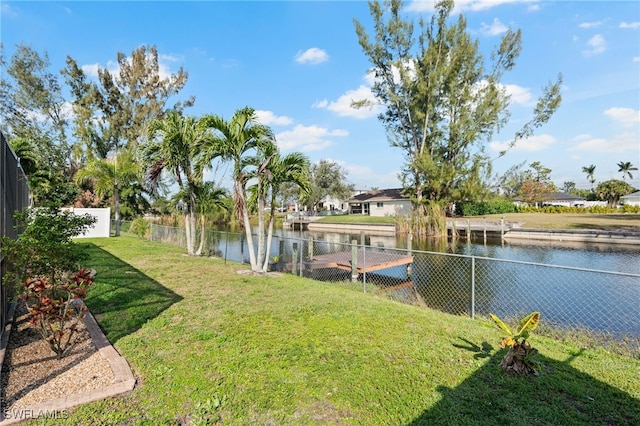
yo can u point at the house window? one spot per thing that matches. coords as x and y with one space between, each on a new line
379 205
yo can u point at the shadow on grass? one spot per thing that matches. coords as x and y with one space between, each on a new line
123 298
560 395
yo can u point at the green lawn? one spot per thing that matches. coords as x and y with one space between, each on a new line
208 344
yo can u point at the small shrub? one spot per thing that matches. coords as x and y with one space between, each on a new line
45 248
54 309
520 357
42 259
140 227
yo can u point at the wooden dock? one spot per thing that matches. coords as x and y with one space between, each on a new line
370 261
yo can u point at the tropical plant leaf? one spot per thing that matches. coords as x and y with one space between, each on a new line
500 324
529 323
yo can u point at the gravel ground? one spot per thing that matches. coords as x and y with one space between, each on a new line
32 374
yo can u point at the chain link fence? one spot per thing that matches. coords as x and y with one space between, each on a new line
568 297
14 197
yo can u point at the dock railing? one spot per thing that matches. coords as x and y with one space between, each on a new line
568 297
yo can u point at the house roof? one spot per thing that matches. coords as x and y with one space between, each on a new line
562 196
632 196
392 194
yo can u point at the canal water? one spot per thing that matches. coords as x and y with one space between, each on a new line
596 286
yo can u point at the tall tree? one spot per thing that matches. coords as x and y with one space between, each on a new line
590 171
611 191
172 146
32 108
326 179
117 110
239 140
442 101
569 187
626 167
109 176
536 184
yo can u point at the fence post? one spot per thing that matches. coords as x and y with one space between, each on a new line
226 245
409 252
364 268
354 261
294 259
310 251
473 287
485 231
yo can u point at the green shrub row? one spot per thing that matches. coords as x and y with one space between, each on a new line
485 207
504 206
591 209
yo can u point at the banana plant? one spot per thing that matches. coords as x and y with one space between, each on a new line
519 358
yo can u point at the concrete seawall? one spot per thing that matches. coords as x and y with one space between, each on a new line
369 228
510 233
607 237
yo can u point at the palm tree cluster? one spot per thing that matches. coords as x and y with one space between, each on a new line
624 167
185 147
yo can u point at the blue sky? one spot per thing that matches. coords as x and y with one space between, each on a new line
299 64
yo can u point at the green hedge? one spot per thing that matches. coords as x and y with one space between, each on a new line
485 207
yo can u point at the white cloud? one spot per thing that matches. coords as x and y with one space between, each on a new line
91 69
308 138
170 58
496 27
366 177
372 178
467 5
268 117
343 105
595 24
8 11
636 59
618 143
630 25
519 95
114 68
626 116
597 45
313 55
534 143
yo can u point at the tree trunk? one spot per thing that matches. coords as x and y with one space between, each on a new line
116 199
269 236
247 226
201 246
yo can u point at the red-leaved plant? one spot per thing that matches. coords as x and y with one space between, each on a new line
55 309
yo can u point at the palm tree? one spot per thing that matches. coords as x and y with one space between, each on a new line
26 153
239 140
590 170
109 176
293 168
172 145
274 171
625 167
208 197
